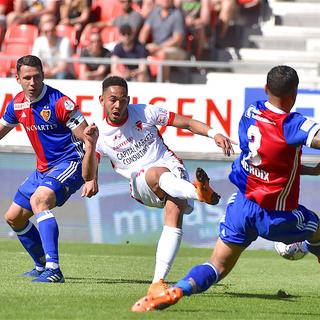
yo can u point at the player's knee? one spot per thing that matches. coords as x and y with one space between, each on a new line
14 220
41 200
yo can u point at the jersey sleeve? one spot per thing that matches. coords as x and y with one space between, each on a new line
68 112
99 149
159 116
299 130
9 118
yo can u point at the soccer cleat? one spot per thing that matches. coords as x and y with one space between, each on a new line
158 301
157 287
50 275
205 192
33 273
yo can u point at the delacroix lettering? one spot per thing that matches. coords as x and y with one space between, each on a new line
259 173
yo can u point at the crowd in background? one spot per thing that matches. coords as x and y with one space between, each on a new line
153 29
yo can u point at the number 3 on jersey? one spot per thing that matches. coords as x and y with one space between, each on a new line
254 139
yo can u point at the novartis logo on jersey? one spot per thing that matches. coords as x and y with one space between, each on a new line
41 127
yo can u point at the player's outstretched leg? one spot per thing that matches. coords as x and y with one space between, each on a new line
157 287
198 279
158 301
204 191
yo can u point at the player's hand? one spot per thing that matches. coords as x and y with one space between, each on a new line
91 134
224 143
90 188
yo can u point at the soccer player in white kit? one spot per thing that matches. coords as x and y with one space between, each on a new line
131 140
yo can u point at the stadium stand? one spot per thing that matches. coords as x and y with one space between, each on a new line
68 31
18 41
285 32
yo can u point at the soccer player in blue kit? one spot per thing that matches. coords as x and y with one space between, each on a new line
54 125
267 175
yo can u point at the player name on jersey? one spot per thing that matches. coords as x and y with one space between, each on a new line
259 173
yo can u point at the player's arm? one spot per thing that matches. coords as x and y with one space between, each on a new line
316 141
90 163
4 130
203 129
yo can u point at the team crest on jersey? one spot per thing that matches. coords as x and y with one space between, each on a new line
45 113
69 105
138 125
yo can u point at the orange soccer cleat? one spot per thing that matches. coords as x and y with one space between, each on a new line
205 192
157 287
158 301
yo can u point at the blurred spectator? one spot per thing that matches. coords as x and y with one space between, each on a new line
75 13
52 50
197 17
95 49
6 6
129 48
146 7
129 16
225 10
30 11
166 26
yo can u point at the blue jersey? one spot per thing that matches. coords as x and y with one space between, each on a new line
48 122
268 168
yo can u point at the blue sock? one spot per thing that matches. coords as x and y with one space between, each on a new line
49 233
314 248
199 279
31 241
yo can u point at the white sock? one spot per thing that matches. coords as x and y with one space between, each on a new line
177 188
168 246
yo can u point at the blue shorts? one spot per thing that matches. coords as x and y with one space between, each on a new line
245 221
64 179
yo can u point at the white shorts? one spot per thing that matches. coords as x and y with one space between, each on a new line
142 192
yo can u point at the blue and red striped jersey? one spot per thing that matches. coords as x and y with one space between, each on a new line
268 168
48 122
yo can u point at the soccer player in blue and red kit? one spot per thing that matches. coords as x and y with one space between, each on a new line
267 175
54 125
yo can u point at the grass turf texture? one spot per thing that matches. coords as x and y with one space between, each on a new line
103 281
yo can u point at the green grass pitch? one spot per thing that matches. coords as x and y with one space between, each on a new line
103 281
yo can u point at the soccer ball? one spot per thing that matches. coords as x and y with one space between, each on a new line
292 251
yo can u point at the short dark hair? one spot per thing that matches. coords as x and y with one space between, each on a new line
29 60
282 81
125 29
114 81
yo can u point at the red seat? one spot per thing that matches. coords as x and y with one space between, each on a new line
76 65
4 65
69 32
21 33
106 10
16 50
154 68
109 34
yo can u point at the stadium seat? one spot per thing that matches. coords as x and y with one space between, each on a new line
108 35
4 65
69 32
153 68
15 51
248 3
106 10
76 65
21 33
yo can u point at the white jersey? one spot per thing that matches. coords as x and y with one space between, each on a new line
136 143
